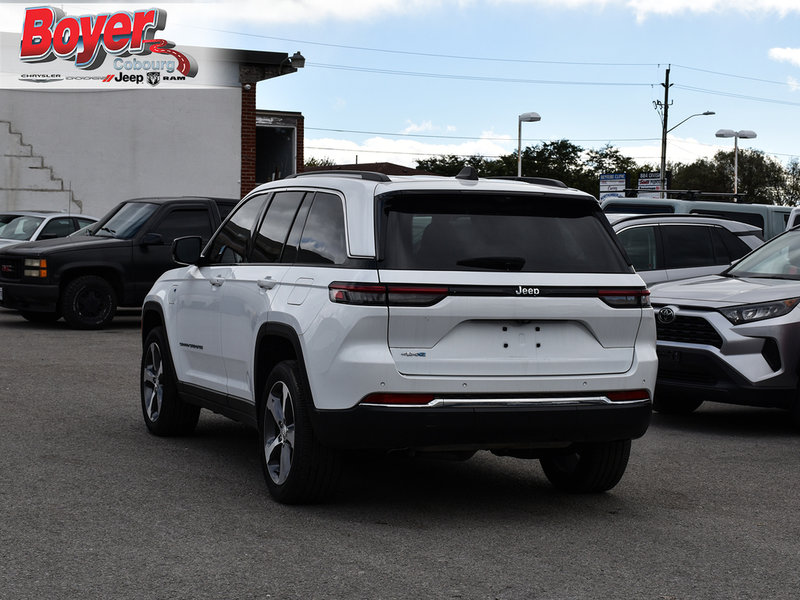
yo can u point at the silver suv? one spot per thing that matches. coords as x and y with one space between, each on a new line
667 247
355 310
733 337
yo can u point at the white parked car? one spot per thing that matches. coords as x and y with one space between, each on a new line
733 337
28 226
427 314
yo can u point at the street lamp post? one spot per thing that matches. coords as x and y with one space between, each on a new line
745 134
664 132
528 117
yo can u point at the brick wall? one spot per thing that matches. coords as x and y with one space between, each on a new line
248 175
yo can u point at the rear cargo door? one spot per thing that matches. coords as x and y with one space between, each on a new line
506 286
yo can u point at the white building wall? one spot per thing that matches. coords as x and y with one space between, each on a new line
106 146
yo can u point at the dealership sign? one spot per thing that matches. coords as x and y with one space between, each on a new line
86 41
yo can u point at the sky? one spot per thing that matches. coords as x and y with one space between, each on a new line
401 80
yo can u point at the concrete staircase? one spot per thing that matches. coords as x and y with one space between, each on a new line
26 183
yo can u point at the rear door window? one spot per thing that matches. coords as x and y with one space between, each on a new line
641 244
275 227
687 246
496 232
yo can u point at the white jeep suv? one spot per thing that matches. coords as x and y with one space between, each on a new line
352 310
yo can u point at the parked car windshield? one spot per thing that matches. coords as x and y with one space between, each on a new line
20 228
779 258
497 232
126 222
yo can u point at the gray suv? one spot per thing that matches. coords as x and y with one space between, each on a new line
352 310
678 246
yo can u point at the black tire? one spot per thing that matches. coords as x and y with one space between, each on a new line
88 302
297 468
590 468
40 317
165 414
672 404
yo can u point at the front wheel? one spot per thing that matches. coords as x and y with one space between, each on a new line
589 468
297 468
88 302
164 412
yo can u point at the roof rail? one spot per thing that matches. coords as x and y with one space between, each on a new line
367 175
693 195
538 180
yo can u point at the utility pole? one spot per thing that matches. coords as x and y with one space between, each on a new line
664 130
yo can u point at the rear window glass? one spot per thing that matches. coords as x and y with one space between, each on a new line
495 232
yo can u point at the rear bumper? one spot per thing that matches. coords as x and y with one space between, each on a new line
482 424
32 297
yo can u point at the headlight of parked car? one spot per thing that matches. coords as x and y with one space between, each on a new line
35 267
747 313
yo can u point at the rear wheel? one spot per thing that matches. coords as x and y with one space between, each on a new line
297 468
673 404
164 412
88 302
589 468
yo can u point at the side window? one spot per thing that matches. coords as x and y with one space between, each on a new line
274 229
687 246
184 221
728 246
57 228
83 222
323 239
230 244
640 244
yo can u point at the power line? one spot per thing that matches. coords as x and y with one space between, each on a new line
470 77
431 54
470 138
737 96
782 83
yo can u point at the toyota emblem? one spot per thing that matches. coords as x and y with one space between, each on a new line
667 315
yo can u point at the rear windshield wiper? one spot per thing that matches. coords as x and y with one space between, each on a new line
496 263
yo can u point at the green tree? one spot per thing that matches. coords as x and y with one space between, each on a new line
792 189
320 162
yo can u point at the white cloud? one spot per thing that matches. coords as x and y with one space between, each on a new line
794 85
398 151
405 152
790 55
418 127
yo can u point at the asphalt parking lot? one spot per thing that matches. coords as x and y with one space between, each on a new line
92 506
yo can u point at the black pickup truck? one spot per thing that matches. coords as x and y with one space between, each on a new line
85 277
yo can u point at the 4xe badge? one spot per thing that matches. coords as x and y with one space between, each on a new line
48 33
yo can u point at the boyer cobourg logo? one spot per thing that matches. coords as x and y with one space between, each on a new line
49 34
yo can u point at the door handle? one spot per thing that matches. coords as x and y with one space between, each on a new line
267 283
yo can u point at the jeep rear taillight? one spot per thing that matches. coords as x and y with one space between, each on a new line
625 298
371 294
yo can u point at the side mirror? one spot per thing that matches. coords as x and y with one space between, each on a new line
152 239
186 250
